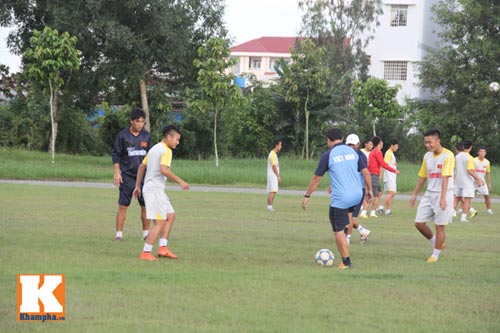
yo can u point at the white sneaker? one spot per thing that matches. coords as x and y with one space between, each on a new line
489 211
365 235
271 209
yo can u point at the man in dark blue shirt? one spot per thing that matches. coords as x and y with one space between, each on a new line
130 148
343 166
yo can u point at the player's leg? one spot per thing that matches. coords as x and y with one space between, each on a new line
144 219
375 203
487 202
465 209
121 214
164 250
270 200
153 235
339 219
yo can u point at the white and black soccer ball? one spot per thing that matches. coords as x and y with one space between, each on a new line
324 257
494 87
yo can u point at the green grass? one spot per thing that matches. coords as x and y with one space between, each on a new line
243 269
296 174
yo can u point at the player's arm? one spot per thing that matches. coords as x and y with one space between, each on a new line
488 177
276 172
477 179
138 181
368 184
385 165
165 170
418 187
115 156
313 185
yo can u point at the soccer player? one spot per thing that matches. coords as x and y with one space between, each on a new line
465 177
482 168
389 179
367 148
131 145
436 205
352 141
273 173
375 162
156 166
343 166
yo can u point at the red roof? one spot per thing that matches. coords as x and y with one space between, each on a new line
267 45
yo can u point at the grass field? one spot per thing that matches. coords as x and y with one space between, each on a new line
296 174
243 269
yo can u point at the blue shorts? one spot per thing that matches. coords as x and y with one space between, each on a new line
339 218
127 191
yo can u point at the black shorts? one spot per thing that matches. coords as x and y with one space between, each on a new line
339 218
127 192
357 208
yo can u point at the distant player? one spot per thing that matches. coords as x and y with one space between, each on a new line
389 179
343 166
367 148
482 168
273 173
436 205
156 166
465 178
131 145
375 163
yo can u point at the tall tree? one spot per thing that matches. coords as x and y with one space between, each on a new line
343 27
376 99
305 81
460 70
216 89
49 55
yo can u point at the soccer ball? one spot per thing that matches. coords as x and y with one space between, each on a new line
324 257
494 87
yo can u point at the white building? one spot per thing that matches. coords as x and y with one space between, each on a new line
405 32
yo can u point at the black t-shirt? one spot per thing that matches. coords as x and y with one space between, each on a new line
129 150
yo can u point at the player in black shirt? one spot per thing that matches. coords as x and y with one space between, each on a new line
131 146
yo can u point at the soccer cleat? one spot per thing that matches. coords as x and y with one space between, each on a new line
388 214
363 216
365 235
464 221
473 214
341 266
432 260
373 216
148 256
164 251
489 211
118 239
271 209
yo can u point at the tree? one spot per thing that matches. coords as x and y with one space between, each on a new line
305 81
49 55
342 27
376 99
216 89
460 70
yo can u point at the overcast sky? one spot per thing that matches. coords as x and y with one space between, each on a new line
245 20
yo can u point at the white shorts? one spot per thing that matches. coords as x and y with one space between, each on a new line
272 184
483 190
157 205
430 211
464 192
390 185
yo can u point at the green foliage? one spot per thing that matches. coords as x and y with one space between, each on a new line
460 69
114 120
376 99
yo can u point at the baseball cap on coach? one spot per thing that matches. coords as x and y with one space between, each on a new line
352 139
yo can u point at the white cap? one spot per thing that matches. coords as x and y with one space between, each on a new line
352 139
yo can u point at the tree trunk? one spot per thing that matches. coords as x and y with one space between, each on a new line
373 126
306 139
215 139
53 121
145 106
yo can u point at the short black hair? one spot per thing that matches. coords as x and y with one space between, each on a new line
467 144
376 140
275 142
334 134
433 132
459 146
137 113
394 142
481 147
365 141
170 129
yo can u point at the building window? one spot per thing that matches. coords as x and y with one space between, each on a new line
273 64
255 63
399 15
395 70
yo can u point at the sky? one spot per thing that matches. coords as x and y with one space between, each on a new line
245 20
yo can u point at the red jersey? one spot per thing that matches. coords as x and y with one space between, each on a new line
375 161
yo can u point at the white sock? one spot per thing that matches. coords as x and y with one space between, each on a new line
148 247
361 229
387 212
145 233
436 253
464 217
372 213
119 234
163 242
433 240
